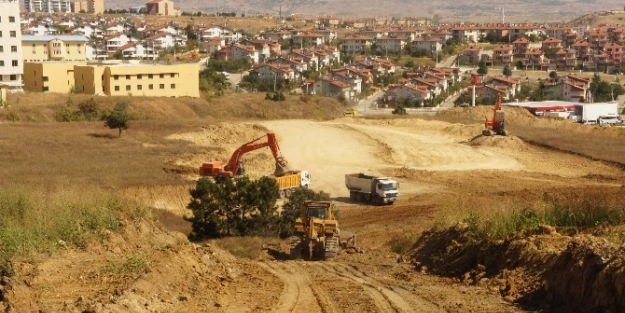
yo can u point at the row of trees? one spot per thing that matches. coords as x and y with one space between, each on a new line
244 207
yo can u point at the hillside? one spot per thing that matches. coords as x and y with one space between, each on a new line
479 11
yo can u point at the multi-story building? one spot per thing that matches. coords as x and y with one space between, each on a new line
47 6
162 7
88 6
49 76
11 67
124 79
176 80
54 48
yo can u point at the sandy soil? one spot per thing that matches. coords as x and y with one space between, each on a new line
440 166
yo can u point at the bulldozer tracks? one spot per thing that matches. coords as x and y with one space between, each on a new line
299 293
338 287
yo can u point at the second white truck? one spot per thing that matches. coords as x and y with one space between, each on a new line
372 189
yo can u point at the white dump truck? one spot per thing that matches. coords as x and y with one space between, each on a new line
597 113
372 189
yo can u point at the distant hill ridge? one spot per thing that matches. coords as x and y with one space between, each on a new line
548 11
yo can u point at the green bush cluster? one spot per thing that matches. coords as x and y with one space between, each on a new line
244 207
88 110
275 96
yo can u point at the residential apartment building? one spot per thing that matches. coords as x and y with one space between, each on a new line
49 76
54 48
162 7
88 6
175 80
11 67
47 6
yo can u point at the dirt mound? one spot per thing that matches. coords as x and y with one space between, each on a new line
516 116
505 142
544 269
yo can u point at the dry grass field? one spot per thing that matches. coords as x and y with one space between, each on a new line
42 151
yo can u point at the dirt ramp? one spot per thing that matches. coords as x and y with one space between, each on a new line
505 142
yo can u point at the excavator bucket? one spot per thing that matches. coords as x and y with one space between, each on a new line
281 167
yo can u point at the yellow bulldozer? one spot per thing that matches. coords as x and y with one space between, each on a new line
317 235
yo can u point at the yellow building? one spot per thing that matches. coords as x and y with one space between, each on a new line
156 80
175 80
49 76
54 48
88 6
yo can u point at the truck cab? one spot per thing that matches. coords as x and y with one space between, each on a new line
387 190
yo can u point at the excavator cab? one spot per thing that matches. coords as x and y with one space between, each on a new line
496 124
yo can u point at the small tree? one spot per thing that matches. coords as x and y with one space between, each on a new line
119 117
507 71
553 75
482 68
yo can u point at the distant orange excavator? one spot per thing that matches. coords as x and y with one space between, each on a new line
235 166
496 125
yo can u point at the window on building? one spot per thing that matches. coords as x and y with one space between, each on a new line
150 76
11 19
139 87
0 34
139 76
127 76
13 77
13 48
161 86
173 75
1 64
13 34
1 49
14 63
150 86
173 86
115 77
45 88
44 78
116 88
127 87
162 76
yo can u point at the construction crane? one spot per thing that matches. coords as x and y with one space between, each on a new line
235 166
496 124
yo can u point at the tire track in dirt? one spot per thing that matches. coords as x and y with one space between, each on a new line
416 302
385 298
299 294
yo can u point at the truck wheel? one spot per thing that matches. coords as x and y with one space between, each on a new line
352 196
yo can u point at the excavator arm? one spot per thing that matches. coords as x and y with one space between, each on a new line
234 163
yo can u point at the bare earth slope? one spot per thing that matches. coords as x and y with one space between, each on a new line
443 168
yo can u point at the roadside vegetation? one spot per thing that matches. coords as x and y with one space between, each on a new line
583 216
38 222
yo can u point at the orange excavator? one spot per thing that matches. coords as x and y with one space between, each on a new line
235 166
496 124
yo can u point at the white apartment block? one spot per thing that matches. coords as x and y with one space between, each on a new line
47 6
11 66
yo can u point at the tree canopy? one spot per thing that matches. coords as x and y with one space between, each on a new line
119 117
244 207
